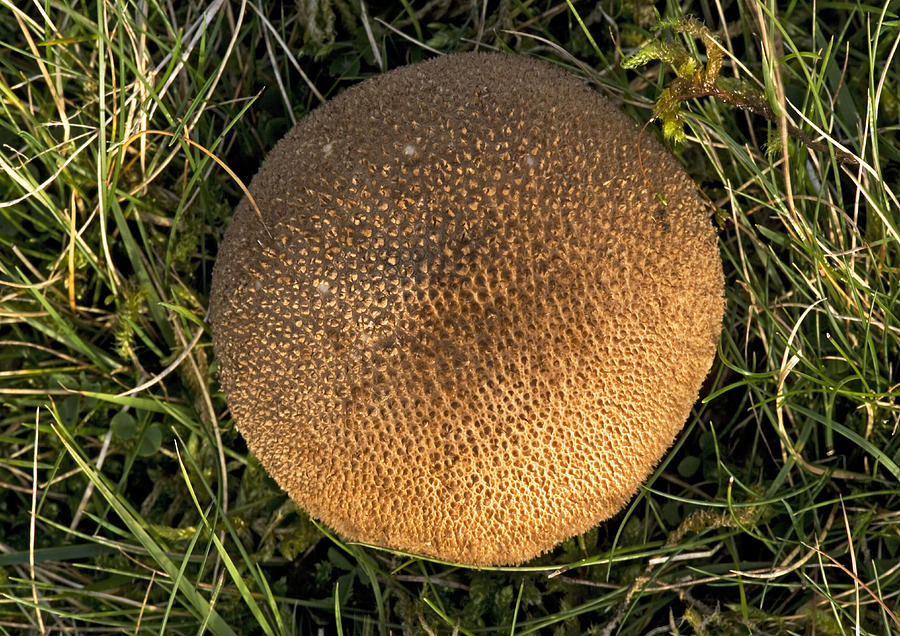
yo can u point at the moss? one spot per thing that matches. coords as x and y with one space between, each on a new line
693 79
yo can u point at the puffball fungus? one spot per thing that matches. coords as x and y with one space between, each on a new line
466 325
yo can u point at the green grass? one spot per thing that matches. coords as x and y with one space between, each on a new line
776 512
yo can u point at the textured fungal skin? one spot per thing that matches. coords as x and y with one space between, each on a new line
471 329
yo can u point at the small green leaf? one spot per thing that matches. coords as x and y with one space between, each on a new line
151 441
689 466
68 409
124 425
671 512
187 314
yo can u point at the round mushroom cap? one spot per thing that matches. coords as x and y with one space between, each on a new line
471 317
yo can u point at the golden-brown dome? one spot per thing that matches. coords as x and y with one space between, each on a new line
471 329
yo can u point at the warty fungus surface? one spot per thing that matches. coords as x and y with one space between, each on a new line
466 325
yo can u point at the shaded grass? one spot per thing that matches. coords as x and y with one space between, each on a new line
776 510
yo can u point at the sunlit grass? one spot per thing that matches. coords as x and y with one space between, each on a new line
128 502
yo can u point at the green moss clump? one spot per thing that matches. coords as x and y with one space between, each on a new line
695 79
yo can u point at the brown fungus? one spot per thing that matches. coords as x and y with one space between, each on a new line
469 328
